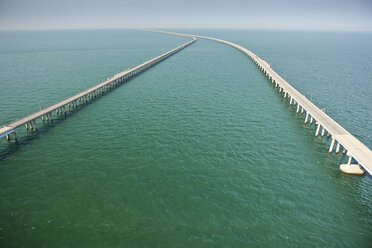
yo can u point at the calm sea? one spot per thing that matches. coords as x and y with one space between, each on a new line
199 151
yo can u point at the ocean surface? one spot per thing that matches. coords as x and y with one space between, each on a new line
198 151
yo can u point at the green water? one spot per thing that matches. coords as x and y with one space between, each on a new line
199 151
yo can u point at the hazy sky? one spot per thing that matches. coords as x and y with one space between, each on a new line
318 14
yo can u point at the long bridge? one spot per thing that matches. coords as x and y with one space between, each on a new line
83 97
341 139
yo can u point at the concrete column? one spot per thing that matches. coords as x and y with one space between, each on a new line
298 108
344 151
323 131
34 124
349 161
7 137
51 117
285 94
14 136
311 120
338 147
42 118
290 101
302 110
307 117
332 144
64 109
317 130
26 126
30 124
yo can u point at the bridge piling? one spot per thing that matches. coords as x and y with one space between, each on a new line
331 146
317 130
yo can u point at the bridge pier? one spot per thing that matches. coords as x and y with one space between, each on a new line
317 130
7 137
331 147
306 118
338 147
323 132
351 169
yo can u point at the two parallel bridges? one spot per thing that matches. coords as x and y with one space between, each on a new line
325 125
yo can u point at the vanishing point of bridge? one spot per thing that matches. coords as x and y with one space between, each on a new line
342 140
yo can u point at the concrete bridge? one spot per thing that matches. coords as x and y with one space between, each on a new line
72 102
342 140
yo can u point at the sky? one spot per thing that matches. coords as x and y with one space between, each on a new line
288 14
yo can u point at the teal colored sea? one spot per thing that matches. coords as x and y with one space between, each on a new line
198 151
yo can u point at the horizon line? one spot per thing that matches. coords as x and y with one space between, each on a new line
140 27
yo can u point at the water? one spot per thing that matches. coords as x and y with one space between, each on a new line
199 151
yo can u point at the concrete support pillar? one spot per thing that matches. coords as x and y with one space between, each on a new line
14 136
50 115
34 124
26 126
317 130
42 118
323 131
302 110
349 161
7 137
290 101
331 147
307 117
311 120
344 151
30 125
285 94
64 109
298 108
338 147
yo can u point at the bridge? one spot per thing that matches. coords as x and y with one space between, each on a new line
341 139
83 97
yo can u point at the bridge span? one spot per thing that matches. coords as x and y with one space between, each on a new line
325 125
83 97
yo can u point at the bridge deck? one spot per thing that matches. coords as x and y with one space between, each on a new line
10 128
360 152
